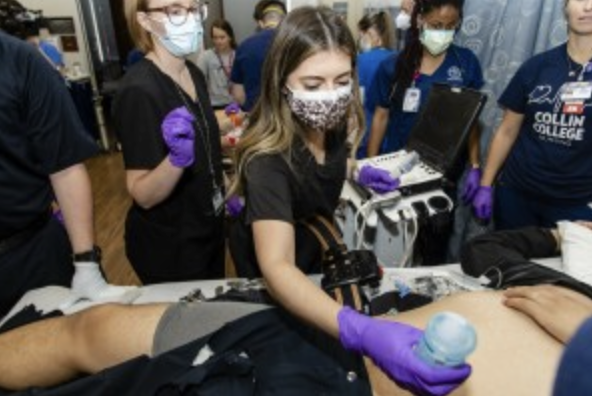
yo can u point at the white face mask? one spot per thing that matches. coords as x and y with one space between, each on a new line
320 110
365 44
182 40
436 41
403 21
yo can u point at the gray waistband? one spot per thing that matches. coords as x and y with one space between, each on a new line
184 322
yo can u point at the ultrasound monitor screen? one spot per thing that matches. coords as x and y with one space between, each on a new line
444 123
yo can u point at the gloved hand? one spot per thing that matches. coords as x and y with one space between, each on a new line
179 136
471 185
232 108
58 215
391 346
233 111
483 203
377 179
234 205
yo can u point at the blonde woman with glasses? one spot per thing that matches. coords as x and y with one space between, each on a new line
171 148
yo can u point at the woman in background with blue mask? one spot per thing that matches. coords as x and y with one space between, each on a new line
402 86
403 81
171 148
377 36
291 166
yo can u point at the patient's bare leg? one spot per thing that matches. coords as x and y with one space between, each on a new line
513 356
56 350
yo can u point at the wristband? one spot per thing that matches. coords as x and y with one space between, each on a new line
94 255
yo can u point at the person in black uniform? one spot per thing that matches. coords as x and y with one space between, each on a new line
171 148
42 147
291 166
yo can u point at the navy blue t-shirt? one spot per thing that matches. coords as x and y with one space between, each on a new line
552 156
248 65
460 68
573 377
40 133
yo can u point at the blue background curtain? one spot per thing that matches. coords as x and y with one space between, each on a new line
503 34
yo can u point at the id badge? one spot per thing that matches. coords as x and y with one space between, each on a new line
217 200
576 91
412 100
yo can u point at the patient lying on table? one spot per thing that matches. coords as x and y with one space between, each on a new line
521 335
515 355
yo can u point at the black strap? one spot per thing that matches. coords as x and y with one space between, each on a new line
343 271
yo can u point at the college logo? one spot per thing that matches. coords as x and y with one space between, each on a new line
454 74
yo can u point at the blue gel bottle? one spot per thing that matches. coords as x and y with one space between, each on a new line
447 341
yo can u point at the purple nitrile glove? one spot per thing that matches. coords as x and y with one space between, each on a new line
59 216
379 180
234 205
232 108
483 203
391 346
471 185
179 136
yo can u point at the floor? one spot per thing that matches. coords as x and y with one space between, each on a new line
111 204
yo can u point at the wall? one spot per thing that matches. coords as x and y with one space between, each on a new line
240 15
64 8
355 8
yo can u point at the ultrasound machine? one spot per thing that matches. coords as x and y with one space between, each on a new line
410 226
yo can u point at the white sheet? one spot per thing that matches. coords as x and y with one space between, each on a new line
54 297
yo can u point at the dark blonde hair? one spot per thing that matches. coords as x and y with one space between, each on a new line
141 38
273 129
382 22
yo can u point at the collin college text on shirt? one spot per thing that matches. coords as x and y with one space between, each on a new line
556 126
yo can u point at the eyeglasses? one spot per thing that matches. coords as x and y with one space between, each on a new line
178 14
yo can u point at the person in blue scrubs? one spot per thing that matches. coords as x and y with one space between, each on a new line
540 156
376 44
250 54
401 88
48 50
403 80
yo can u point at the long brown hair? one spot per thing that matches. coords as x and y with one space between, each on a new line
273 129
225 26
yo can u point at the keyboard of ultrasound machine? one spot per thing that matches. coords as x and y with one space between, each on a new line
421 178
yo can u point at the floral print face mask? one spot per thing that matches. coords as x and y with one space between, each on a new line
320 110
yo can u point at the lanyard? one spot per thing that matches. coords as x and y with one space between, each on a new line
416 77
228 67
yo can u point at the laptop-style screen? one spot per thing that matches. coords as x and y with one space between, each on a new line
443 125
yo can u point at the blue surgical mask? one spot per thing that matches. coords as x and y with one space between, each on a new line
436 41
184 39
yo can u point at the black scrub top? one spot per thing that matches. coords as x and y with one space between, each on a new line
290 189
40 134
181 238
